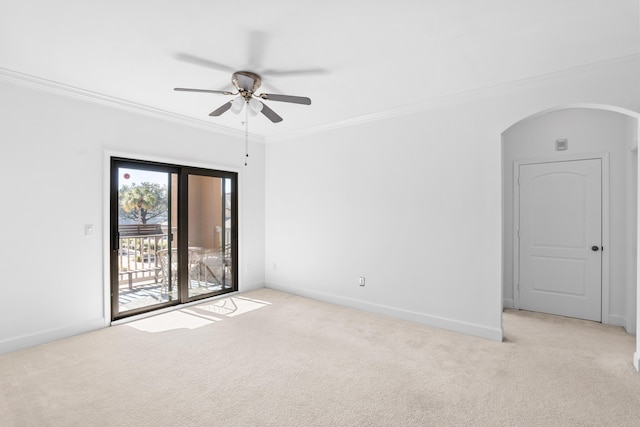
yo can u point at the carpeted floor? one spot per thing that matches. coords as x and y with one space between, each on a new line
267 358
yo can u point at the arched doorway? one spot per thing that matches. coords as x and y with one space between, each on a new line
575 133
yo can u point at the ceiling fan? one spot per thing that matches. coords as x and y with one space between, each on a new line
247 83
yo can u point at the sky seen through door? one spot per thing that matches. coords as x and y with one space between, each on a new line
129 176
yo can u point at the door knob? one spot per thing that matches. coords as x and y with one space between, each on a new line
595 248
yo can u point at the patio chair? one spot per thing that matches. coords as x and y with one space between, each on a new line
169 268
197 269
216 265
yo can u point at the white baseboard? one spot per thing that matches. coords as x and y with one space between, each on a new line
636 361
31 340
617 321
507 303
629 327
473 329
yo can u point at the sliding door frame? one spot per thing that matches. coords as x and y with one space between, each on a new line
183 227
182 172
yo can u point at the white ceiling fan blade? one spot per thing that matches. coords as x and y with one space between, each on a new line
257 46
204 62
307 71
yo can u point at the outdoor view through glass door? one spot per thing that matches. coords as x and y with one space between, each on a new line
210 225
174 235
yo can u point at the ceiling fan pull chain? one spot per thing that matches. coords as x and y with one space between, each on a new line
246 134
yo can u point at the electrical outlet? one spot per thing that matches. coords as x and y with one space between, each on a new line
361 281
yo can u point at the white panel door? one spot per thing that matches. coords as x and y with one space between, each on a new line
560 270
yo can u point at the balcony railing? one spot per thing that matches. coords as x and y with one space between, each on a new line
141 262
137 261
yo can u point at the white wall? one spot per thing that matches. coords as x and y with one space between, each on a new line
413 202
589 131
636 355
54 150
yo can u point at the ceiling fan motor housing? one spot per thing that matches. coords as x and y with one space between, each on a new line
246 82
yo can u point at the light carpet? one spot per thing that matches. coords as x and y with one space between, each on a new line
268 358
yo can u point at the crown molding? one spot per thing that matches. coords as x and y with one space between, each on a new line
629 61
51 86
38 83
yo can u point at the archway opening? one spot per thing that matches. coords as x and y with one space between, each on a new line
575 132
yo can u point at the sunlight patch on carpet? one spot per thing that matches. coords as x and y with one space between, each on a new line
199 315
233 306
171 321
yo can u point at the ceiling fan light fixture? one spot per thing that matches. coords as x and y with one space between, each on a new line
255 106
237 104
247 83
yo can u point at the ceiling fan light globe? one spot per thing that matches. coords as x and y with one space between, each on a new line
256 106
237 104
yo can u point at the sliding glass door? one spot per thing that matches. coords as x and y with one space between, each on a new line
210 226
173 235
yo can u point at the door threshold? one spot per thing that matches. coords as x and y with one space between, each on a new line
169 309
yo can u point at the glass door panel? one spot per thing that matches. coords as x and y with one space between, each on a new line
144 248
210 243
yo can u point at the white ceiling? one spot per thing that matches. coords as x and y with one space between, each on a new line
375 56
